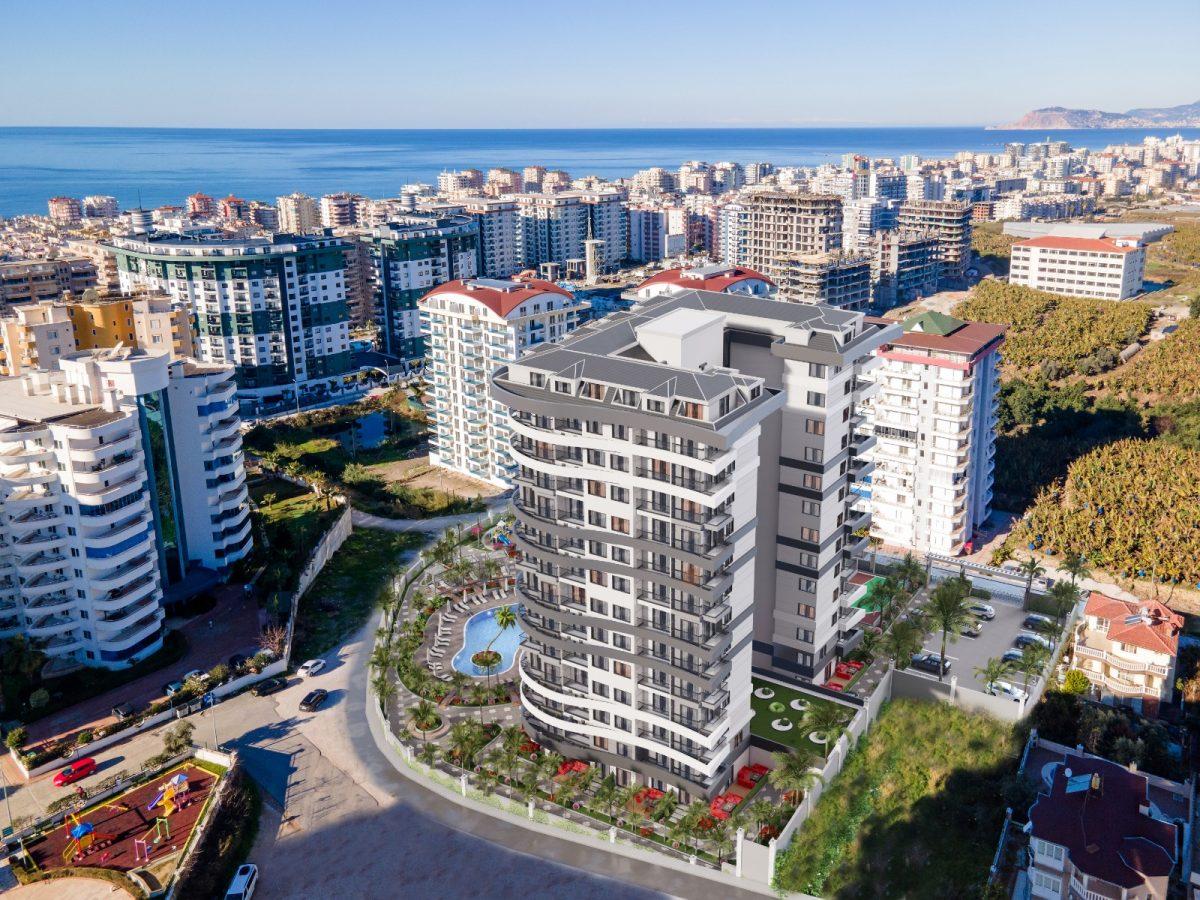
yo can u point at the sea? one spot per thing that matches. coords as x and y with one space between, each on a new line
157 166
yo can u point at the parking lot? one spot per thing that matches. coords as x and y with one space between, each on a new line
966 654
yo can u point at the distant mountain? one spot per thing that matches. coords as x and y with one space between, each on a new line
1053 117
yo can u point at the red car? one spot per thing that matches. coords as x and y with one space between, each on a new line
81 768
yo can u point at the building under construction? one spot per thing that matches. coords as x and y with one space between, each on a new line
785 225
839 279
950 222
904 267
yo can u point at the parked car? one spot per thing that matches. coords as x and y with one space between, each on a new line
310 668
972 629
122 711
981 610
313 700
268 686
245 880
1013 656
930 662
196 674
1027 638
171 688
1037 622
1010 690
81 768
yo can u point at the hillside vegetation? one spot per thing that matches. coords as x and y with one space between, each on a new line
1053 335
1132 507
1168 369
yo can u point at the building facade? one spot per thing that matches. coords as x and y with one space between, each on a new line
35 336
473 327
409 257
949 221
904 267
1128 650
837 279
34 280
298 213
785 224
934 414
1106 268
274 308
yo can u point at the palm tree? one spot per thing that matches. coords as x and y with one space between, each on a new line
948 612
665 807
825 719
793 772
607 793
512 737
548 765
424 717
910 572
385 690
902 642
1077 566
759 812
1032 569
992 671
459 681
479 696
626 797
690 821
1001 555
505 618
463 737
1032 662
428 753
1064 595
721 834
875 543
869 643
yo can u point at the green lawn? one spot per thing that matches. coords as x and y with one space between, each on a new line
796 738
352 584
915 813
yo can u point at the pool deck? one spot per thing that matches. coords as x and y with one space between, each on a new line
450 622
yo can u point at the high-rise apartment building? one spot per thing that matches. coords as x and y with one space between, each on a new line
264 215
863 218
339 210
650 234
274 308
553 228
934 416
200 206
297 213
1108 268
101 206
233 209
904 267
608 221
452 184
65 210
503 181
34 280
472 328
837 279
153 322
682 512
786 224
89 540
950 222
499 235
410 256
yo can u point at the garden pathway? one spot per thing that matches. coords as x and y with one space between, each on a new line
441 523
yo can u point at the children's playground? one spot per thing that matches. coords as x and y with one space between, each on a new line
135 830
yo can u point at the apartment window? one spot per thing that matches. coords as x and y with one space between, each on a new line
816 398
810 507
810 534
806 610
816 370
691 410
622 669
618 463
814 426
1047 849
812 482
596 488
599 578
595 457
803 634
620 584
619 494
814 454
596 518
1046 881
808 586
621 641
562 387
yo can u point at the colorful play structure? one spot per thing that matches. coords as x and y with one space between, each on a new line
172 795
84 838
142 847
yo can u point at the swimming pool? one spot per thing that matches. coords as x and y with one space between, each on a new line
481 628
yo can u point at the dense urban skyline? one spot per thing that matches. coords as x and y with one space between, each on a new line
406 68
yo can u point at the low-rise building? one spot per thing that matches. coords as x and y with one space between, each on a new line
1128 649
717 277
1106 268
473 327
35 336
65 210
33 280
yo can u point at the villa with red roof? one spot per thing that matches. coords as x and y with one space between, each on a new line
1106 268
1127 649
1098 830
473 327
718 277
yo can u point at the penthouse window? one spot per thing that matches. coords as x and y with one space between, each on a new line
690 410
592 391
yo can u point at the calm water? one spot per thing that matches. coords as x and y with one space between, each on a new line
163 165
480 629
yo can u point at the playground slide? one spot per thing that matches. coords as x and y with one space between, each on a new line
157 800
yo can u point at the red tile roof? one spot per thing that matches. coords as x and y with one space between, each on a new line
501 302
719 282
1055 242
1160 633
970 340
1104 830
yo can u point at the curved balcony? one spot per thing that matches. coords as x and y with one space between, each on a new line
98 495
120 553
137 519
130 635
40 562
114 600
50 626
112 469
57 602
126 616
92 451
114 578
43 584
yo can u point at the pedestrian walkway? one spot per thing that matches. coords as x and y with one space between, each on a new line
362 519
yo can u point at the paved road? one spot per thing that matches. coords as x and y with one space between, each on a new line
366 520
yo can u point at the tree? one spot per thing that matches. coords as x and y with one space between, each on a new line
903 642
1001 555
462 739
548 765
875 542
1076 682
607 793
479 696
512 737
825 719
1076 565
665 807
178 738
1032 662
759 812
1032 569
505 618
722 835
385 690
39 698
948 612
424 717
16 738
910 572
793 772
459 681
627 799
992 671
274 639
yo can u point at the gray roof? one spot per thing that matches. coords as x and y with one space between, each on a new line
1143 231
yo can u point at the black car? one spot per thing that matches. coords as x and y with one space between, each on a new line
313 700
123 711
269 686
930 662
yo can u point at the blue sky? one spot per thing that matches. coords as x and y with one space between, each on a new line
520 63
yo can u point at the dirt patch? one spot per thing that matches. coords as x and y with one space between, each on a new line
417 473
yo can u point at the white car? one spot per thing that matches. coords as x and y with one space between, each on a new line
243 884
310 668
197 675
981 610
1003 687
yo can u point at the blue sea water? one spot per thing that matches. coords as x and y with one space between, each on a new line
164 165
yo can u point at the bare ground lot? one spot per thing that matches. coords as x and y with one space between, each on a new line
416 473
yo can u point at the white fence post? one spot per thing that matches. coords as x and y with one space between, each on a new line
462 780
771 860
531 809
612 834
737 866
